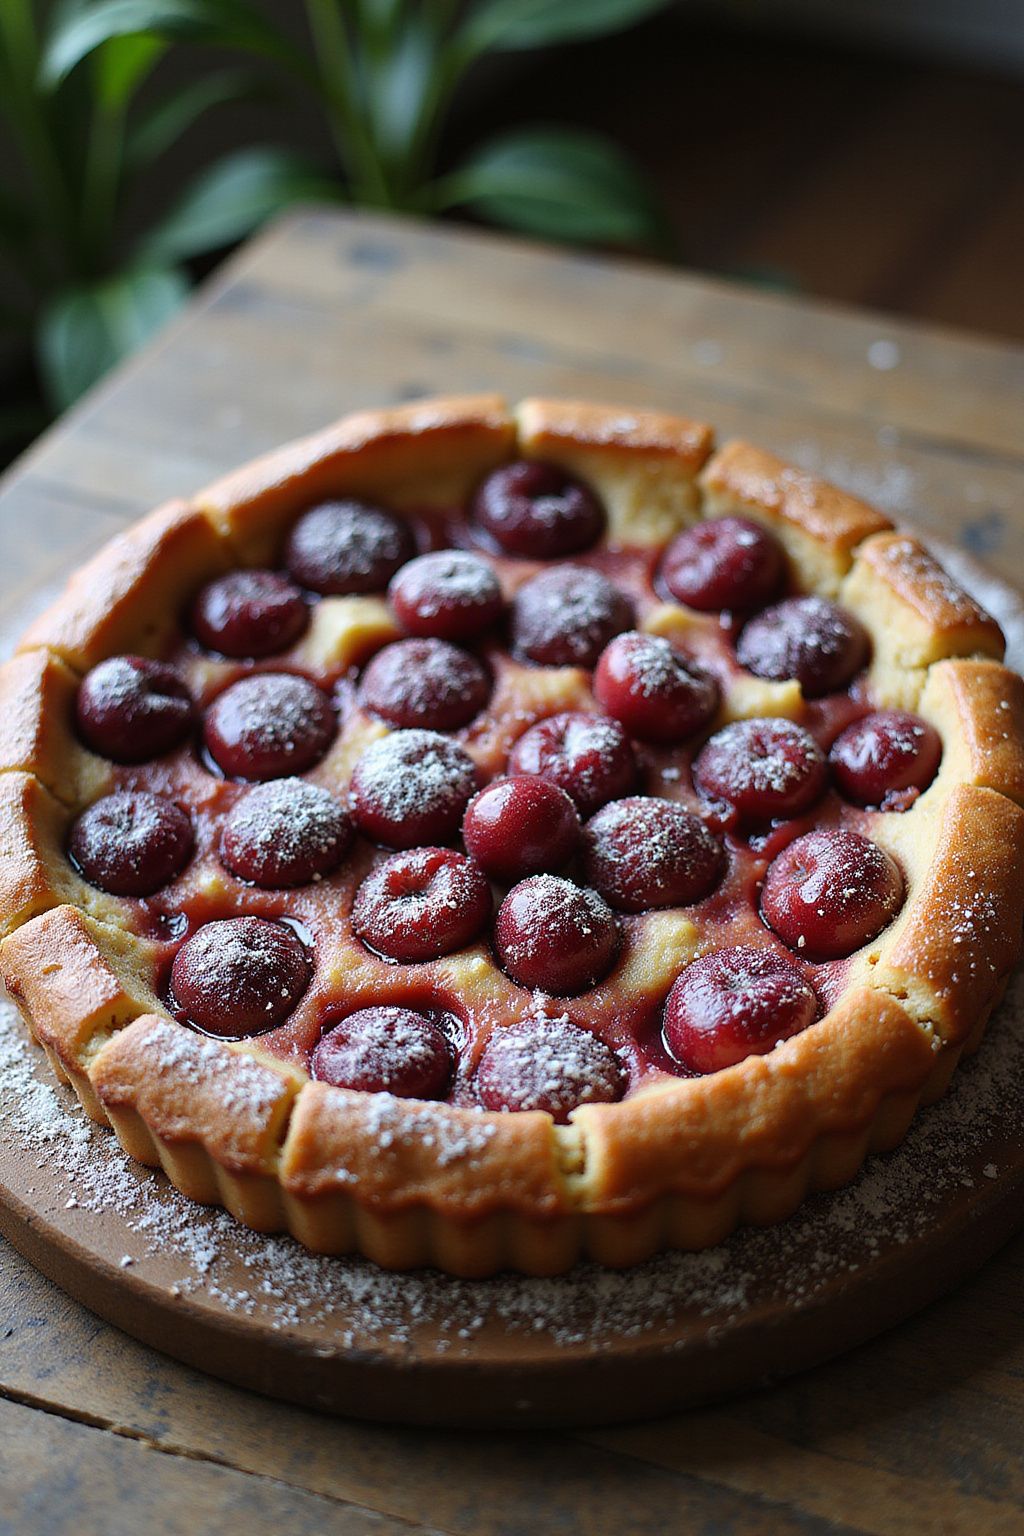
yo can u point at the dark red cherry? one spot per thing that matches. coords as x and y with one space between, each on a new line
347 546
726 562
240 976
886 759
249 613
426 683
642 853
553 936
565 617
654 692
809 638
285 833
131 843
421 904
766 770
735 1003
538 511
130 709
385 1050
412 787
547 1064
588 756
521 826
448 595
830 892
269 725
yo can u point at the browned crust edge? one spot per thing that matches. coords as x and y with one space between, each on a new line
676 1165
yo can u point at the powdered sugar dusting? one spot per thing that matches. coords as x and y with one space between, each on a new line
350 1303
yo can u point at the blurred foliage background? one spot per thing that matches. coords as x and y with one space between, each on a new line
861 152
97 94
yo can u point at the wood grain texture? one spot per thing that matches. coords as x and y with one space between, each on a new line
921 1430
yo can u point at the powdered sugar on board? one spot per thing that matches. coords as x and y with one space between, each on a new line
349 1304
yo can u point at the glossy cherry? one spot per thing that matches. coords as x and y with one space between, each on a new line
422 903
249 613
130 709
343 547
553 936
521 826
724 563
448 595
643 852
655 693
239 976
547 1064
830 892
538 511
131 843
734 1003
765 770
268 725
565 617
427 683
412 787
385 1049
886 759
810 639
285 833
588 756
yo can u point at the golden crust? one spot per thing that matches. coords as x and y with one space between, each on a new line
413 456
37 694
190 1089
34 874
819 524
128 597
680 1161
978 707
949 954
77 981
697 1136
642 463
916 613
393 1153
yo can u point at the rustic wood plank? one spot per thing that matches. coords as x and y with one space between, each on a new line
466 1484
62 1476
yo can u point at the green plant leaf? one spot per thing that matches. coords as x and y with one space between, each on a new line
84 331
538 23
156 130
83 26
558 183
230 198
397 87
122 63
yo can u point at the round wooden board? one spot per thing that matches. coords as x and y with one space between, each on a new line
590 1347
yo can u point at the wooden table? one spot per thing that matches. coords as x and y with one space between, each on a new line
922 1430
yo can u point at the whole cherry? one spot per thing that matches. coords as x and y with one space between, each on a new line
538 511
654 692
521 826
734 1003
554 936
830 892
385 1049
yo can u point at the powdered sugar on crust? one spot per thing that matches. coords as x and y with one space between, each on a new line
914 569
239 1084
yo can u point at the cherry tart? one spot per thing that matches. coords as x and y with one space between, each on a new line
489 838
